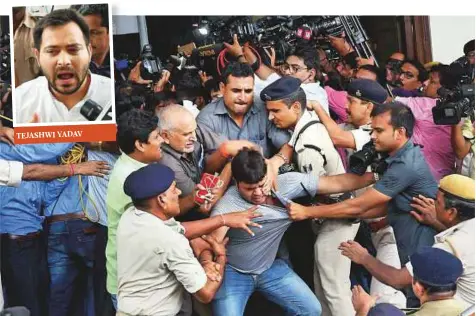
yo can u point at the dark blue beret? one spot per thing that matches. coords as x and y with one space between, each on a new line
436 267
280 89
367 90
149 181
385 309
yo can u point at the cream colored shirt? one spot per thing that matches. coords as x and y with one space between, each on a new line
26 66
307 157
459 241
35 97
155 265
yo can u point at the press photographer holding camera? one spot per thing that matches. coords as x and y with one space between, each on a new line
402 175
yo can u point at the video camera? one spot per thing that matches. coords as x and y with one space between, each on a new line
367 156
454 104
151 67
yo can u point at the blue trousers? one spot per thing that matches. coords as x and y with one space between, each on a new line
70 262
279 284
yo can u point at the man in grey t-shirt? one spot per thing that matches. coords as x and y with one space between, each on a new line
251 260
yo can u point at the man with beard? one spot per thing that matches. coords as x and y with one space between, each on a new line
63 51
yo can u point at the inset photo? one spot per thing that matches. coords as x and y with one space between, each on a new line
62 65
5 73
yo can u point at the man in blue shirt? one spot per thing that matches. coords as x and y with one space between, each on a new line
407 175
24 266
237 116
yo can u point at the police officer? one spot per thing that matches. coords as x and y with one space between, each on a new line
363 96
453 208
314 153
435 273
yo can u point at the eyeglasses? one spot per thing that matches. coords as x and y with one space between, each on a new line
408 74
292 68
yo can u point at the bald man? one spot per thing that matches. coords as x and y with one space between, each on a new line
192 150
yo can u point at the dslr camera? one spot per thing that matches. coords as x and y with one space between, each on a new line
367 156
454 104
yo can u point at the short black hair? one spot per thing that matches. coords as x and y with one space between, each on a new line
188 85
238 70
432 289
299 96
135 125
449 75
96 9
468 47
422 73
59 18
400 115
248 166
212 85
309 56
465 209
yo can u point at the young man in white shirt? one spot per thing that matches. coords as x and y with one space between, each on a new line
63 51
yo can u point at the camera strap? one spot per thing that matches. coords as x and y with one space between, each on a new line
319 150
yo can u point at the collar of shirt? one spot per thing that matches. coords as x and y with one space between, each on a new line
441 237
221 109
177 155
408 145
171 223
132 161
305 118
28 21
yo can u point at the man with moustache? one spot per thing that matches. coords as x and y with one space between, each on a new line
97 18
63 51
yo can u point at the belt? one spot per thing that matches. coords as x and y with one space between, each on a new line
65 217
378 225
26 237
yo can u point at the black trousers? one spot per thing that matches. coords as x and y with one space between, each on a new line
25 273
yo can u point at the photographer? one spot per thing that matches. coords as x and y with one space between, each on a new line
435 139
392 69
406 175
363 96
464 65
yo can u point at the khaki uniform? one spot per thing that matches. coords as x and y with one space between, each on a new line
26 66
449 307
315 153
459 241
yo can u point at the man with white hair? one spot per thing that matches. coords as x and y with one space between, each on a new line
191 150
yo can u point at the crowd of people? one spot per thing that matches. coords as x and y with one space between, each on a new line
233 194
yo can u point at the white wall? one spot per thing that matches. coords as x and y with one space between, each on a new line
448 36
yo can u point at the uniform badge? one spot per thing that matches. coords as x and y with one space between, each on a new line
358 93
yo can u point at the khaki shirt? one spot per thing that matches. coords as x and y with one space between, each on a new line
449 307
155 265
26 66
307 157
459 241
